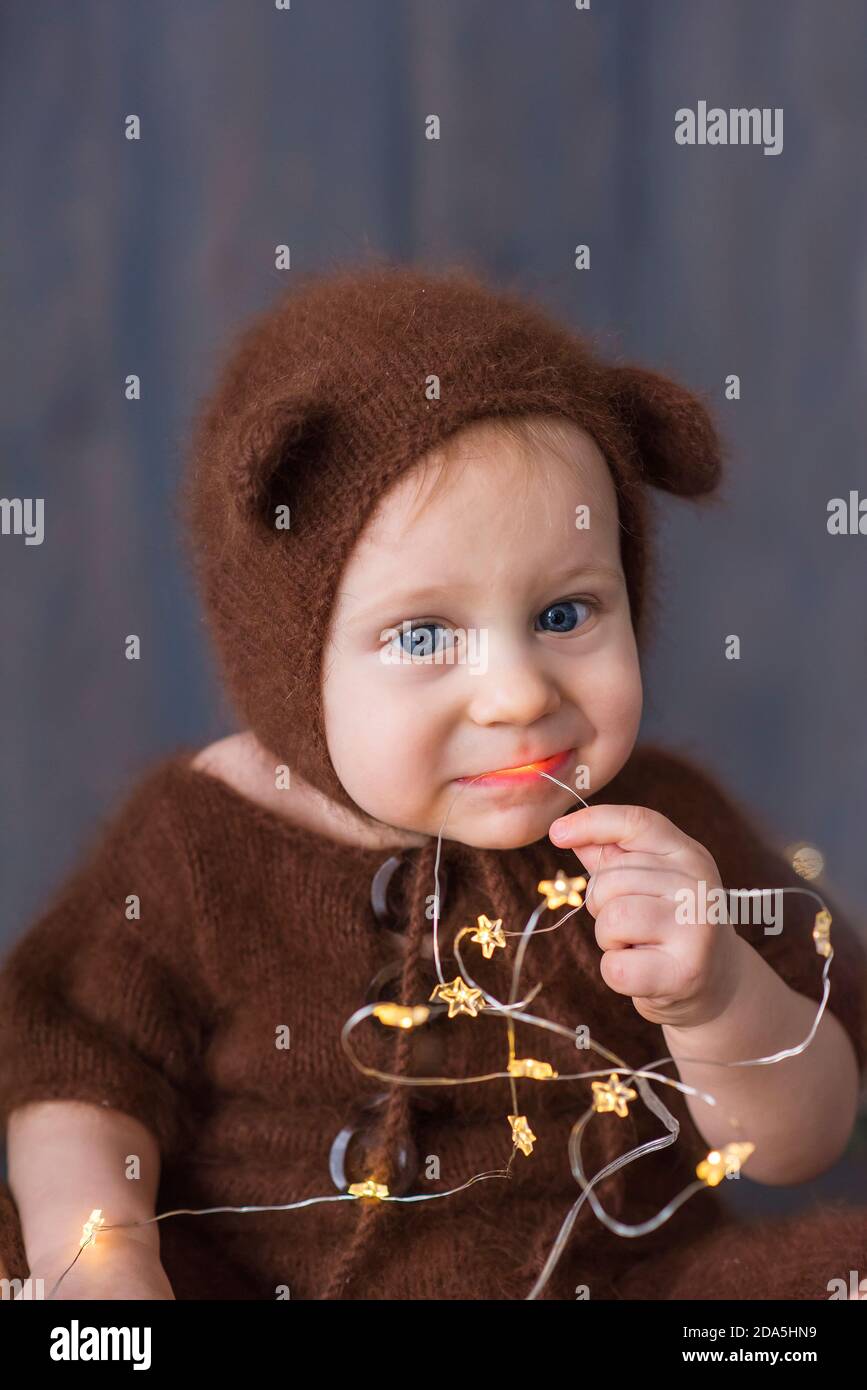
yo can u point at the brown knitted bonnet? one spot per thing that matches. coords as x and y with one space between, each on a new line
326 399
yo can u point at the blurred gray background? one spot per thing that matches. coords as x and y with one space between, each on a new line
306 127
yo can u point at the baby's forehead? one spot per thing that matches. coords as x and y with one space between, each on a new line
535 435
495 502
546 462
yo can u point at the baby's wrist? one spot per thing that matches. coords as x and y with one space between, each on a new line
124 1252
722 1000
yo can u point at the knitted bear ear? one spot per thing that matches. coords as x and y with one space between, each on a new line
274 446
677 446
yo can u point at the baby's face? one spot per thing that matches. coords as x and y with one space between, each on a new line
478 632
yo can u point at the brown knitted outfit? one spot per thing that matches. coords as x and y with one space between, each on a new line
250 923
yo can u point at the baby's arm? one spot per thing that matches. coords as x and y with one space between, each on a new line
799 1112
104 1016
65 1159
722 991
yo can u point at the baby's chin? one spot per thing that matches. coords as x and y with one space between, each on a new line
495 838
500 826
478 818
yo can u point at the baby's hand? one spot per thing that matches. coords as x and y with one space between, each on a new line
679 973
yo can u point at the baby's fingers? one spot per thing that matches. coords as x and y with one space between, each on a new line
637 920
626 881
631 827
593 857
641 971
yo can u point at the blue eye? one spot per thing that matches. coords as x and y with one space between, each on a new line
561 617
423 639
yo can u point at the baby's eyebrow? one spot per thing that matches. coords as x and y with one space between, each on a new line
435 591
574 571
432 593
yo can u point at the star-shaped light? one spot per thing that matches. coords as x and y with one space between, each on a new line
489 935
822 932
401 1015
560 890
522 1136
612 1095
369 1188
723 1163
460 997
91 1226
528 1066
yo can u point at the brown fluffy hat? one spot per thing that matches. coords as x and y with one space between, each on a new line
324 401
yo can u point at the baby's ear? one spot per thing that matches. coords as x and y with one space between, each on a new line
677 446
274 446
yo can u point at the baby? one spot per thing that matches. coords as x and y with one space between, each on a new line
420 523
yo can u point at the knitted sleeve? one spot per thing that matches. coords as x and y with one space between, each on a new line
102 999
746 856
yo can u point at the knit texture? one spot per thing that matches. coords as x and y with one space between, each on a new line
323 403
249 923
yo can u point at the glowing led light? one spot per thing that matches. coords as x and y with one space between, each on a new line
723 1163
369 1188
611 1096
822 932
561 889
489 935
401 1015
460 997
528 1066
91 1226
522 1136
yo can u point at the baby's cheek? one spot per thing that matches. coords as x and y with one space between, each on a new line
385 749
407 757
621 694
614 707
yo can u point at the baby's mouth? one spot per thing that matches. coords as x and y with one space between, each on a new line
528 772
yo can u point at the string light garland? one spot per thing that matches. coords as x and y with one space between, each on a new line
618 1084
489 935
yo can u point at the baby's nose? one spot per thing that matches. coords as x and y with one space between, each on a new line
518 694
